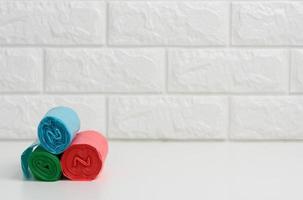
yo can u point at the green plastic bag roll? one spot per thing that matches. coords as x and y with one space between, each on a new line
43 165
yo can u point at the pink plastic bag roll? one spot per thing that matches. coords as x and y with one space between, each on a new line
84 158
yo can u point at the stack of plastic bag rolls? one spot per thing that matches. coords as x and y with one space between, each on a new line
62 151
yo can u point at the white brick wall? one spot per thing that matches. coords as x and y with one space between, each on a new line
200 69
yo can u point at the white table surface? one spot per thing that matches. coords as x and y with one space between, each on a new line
172 171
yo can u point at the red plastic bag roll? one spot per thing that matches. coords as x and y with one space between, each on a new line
84 158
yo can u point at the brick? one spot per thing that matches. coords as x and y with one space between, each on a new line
237 71
168 117
265 118
52 22
267 23
168 23
105 70
21 70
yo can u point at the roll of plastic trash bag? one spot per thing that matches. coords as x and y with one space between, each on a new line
57 129
85 157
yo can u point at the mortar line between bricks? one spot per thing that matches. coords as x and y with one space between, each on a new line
167 139
51 45
166 71
230 24
207 1
153 95
289 70
207 46
131 140
149 47
43 71
106 23
229 118
107 116
172 93
175 140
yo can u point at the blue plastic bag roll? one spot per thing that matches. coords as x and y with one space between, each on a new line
57 129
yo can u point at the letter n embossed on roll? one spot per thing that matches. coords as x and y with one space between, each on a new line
78 160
